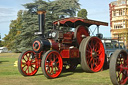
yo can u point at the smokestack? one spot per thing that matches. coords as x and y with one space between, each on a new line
41 19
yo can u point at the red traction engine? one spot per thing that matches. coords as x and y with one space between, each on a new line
60 49
119 67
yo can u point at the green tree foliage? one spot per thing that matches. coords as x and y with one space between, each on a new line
82 13
15 27
22 29
1 45
65 8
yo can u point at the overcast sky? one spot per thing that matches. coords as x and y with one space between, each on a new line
97 10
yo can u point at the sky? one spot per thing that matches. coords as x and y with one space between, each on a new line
97 10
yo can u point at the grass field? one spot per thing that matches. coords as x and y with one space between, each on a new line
9 75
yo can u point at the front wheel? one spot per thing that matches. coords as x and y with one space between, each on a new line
51 64
26 65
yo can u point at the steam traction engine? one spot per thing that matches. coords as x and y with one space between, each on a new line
59 50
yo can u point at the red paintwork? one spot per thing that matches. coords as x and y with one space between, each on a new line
53 58
68 37
65 53
78 21
74 53
122 69
38 44
95 46
81 31
39 56
70 53
54 44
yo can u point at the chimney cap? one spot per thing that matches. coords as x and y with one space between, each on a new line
41 11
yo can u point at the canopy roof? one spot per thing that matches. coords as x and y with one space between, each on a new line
75 21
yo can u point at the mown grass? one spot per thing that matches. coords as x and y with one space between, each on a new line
9 75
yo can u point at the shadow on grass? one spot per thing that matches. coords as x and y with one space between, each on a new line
3 61
77 70
62 74
66 74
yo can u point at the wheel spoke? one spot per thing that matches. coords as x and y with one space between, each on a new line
54 58
96 60
92 64
47 63
96 46
88 51
117 67
119 74
90 46
26 68
24 59
31 68
23 63
49 58
28 56
99 53
56 69
47 68
51 72
33 63
89 61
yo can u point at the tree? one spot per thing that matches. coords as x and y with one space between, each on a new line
1 45
65 8
22 29
82 13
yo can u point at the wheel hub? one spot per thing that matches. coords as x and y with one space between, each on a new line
29 63
54 64
94 54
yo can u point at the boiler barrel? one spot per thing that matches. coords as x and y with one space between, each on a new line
40 44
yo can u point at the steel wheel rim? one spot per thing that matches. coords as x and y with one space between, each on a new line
95 54
29 66
122 62
81 30
53 64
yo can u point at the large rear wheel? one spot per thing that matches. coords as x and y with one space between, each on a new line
52 64
92 54
27 63
119 67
